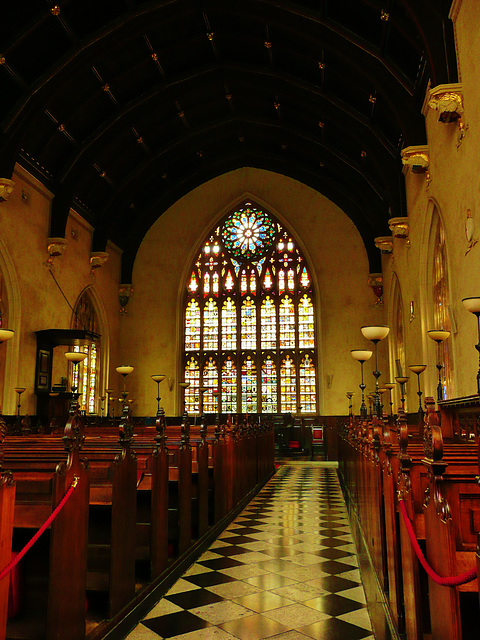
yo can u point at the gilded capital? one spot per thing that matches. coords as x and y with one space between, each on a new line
98 259
6 188
447 99
399 227
417 158
384 243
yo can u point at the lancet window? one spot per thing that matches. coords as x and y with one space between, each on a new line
249 320
86 376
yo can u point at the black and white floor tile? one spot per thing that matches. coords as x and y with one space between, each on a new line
285 569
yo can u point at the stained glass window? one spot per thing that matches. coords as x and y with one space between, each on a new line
248 299
249 386
229 386
85 376
192 394
192 326
229 325
287 323
249 324
307 385
288 386
210 325
268 324
269 386
306 337
210 381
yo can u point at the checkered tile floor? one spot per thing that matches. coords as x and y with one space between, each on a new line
285 569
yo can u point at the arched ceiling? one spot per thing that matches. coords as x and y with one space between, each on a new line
123 106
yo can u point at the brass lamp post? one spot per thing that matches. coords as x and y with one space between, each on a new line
418 369
390 386
19 391
184 386
375 334
350 395
124 370
158 378
402 381
75 357
439 336
362 355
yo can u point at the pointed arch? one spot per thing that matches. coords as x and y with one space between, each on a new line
265 304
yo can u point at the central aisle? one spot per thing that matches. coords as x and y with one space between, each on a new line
285 568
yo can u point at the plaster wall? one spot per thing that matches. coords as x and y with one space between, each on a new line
35 301
151 330
453 189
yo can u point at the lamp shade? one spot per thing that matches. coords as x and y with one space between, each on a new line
75 356
157 377
6 334
19 390
184 385
472 305
439 335
401 379
417 368
389 385
375 332
125 369
361 354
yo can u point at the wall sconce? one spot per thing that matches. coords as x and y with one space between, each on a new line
124 295
447 99
55 249
384 243
399 227
6 188
98 259
417 158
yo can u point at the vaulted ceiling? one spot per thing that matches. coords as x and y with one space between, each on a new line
123 106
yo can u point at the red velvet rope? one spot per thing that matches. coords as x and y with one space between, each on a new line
46 524
454 581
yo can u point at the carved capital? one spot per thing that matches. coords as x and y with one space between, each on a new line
6 188
417 158
98 259
447 99
399 227
384 243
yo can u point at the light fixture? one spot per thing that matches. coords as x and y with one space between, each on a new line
184 386
418 369
158 377
75 357
102 400
19 391
6 334
108 392
390 386
439 336
402 381
375 334
473 305
350 395
362 355
124 370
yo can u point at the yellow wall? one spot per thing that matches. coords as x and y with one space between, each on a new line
327 236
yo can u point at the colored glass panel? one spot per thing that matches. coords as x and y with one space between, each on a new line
229 386
243 283
249 386
288 386
287 323
291 280
192 326
308 401
281 281
210 380
267 279
305 278
229 325
248 233
229 284
249 324
193 284
253 283
192 375
206 283
268 324
269 386
210 326
215 283
306 336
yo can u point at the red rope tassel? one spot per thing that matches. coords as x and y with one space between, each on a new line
454 581
46 524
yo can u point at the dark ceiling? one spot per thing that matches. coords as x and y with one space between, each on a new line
123 106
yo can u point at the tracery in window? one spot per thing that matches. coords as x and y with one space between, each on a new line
240 328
